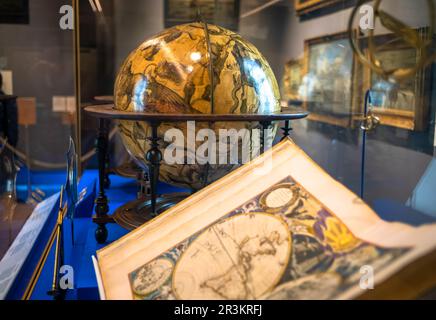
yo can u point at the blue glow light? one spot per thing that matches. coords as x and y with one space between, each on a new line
139 93
262 86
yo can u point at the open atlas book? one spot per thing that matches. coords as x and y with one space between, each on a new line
276 228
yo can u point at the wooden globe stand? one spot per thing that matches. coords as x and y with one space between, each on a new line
135 213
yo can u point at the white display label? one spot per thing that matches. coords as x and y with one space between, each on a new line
7 82
59 104
71 104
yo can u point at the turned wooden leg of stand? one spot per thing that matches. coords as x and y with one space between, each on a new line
144 184
263 137
154 158
101 232
286 130
107 180
101 203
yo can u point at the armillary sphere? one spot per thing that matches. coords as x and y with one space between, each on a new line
404 32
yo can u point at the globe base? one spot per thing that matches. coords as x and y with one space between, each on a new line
135 213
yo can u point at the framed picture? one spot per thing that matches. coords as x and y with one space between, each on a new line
316 8
328 87
301 5
224 12
403 105
292 80
14 11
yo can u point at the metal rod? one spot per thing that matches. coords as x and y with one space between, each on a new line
29 181
362 165
55 282
210 67
54 286
259 9
76 44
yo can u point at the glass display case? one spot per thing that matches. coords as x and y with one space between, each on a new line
308 49
38 108
371 131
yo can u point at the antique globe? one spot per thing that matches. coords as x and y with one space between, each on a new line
194 68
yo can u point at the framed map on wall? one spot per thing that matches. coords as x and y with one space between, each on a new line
224 12
14 11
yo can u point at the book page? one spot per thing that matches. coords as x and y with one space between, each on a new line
288 231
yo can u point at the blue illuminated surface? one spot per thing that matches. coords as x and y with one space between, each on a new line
262 86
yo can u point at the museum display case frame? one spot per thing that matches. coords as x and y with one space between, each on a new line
417 118
335 130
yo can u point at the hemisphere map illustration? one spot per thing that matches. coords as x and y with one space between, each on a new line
282 244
